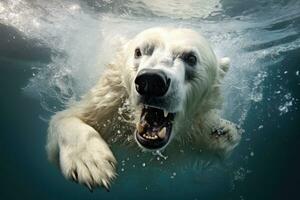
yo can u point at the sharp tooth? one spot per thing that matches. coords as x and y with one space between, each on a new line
144 124
166 113
144 135
139 127
162 133
146 106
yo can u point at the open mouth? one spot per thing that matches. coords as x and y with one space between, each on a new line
154 129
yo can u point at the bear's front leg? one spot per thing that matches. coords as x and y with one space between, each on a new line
74 144
225 137
84 156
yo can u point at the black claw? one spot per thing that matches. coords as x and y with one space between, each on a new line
107 189
74 176
106 185
89 187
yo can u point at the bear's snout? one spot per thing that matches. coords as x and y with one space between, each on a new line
152 83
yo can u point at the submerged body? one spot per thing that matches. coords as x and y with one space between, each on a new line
162 89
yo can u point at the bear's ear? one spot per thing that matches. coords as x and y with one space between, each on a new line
224 66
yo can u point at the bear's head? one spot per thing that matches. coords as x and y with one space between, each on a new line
172 77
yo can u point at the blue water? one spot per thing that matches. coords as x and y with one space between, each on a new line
51 52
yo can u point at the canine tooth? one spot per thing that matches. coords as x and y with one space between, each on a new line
139 127
166 113
146 106
162 133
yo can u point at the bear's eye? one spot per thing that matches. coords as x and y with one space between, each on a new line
189 58
137 53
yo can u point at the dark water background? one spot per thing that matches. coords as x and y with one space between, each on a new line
42 51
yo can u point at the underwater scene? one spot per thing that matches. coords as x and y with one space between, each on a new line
53 51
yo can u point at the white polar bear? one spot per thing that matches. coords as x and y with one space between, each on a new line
162 87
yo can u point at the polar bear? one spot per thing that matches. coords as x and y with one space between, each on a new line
162 87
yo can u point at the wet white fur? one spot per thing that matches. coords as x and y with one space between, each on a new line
76 135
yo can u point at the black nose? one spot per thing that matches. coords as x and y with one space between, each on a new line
151 82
